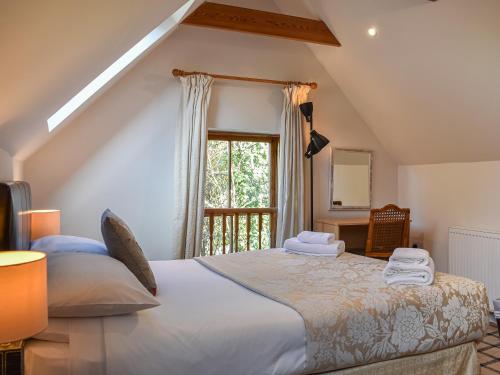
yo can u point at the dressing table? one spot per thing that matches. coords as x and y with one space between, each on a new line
353 231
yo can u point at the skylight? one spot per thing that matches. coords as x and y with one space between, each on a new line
119 65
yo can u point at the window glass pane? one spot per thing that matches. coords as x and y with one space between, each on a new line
250 174
238 176
217 177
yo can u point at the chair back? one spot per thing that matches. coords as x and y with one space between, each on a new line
389 228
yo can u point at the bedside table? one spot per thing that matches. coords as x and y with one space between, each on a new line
11 358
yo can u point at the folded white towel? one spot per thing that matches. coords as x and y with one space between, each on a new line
409 274
293 245
410 255
316 237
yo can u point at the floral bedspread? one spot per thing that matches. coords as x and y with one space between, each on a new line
351 316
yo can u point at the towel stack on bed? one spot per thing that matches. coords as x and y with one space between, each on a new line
315 243
409 266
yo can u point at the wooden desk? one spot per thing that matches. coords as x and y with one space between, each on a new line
354 231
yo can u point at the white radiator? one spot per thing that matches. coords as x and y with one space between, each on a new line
476 254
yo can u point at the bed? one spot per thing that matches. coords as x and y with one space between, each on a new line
248 314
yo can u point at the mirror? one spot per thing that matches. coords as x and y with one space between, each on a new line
350 179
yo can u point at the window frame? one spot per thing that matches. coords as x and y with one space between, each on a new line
272 139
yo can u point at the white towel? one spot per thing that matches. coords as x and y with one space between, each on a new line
409 274
320 238
410 255
293 245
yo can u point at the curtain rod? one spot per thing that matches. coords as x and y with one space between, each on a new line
182 73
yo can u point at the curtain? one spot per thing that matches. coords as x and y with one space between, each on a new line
190 164
290 219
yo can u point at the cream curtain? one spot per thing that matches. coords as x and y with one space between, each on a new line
290 219
190 164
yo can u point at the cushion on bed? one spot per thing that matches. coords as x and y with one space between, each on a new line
122 245
61 244
90 285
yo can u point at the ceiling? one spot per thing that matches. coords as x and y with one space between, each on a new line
428 85
51 49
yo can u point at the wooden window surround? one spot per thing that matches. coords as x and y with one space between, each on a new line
235 214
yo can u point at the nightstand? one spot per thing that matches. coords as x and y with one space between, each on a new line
11 358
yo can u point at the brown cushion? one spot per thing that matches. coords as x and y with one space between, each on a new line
123 246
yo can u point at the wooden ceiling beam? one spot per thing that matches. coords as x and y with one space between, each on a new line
253 21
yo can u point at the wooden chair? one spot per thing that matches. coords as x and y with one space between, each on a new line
389 228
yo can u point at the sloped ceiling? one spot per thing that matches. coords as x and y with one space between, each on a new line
429 84
51 49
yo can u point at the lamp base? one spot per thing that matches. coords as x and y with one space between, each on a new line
11 358
14 345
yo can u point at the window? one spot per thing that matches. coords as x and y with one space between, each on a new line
240 192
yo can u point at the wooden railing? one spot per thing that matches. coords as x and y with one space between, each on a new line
235 214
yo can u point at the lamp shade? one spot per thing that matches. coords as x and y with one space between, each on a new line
45 223
307 110
23 306
318 142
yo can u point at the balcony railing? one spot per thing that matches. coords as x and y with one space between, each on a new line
223 236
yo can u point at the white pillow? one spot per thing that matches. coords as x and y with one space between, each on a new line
60 244
89 285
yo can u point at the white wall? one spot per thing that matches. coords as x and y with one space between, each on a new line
119 152
452 194
5 166
51 49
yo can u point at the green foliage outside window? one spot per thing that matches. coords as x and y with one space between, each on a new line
238 176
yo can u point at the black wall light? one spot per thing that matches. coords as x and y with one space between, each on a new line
317 143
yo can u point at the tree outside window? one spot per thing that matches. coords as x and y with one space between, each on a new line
240 189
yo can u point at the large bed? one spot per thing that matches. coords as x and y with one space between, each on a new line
275 313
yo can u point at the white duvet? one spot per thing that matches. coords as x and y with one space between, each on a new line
206 325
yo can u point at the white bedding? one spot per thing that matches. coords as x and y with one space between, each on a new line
83 355
206 325
46 358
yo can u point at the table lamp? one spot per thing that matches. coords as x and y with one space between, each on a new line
23 311
45 223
